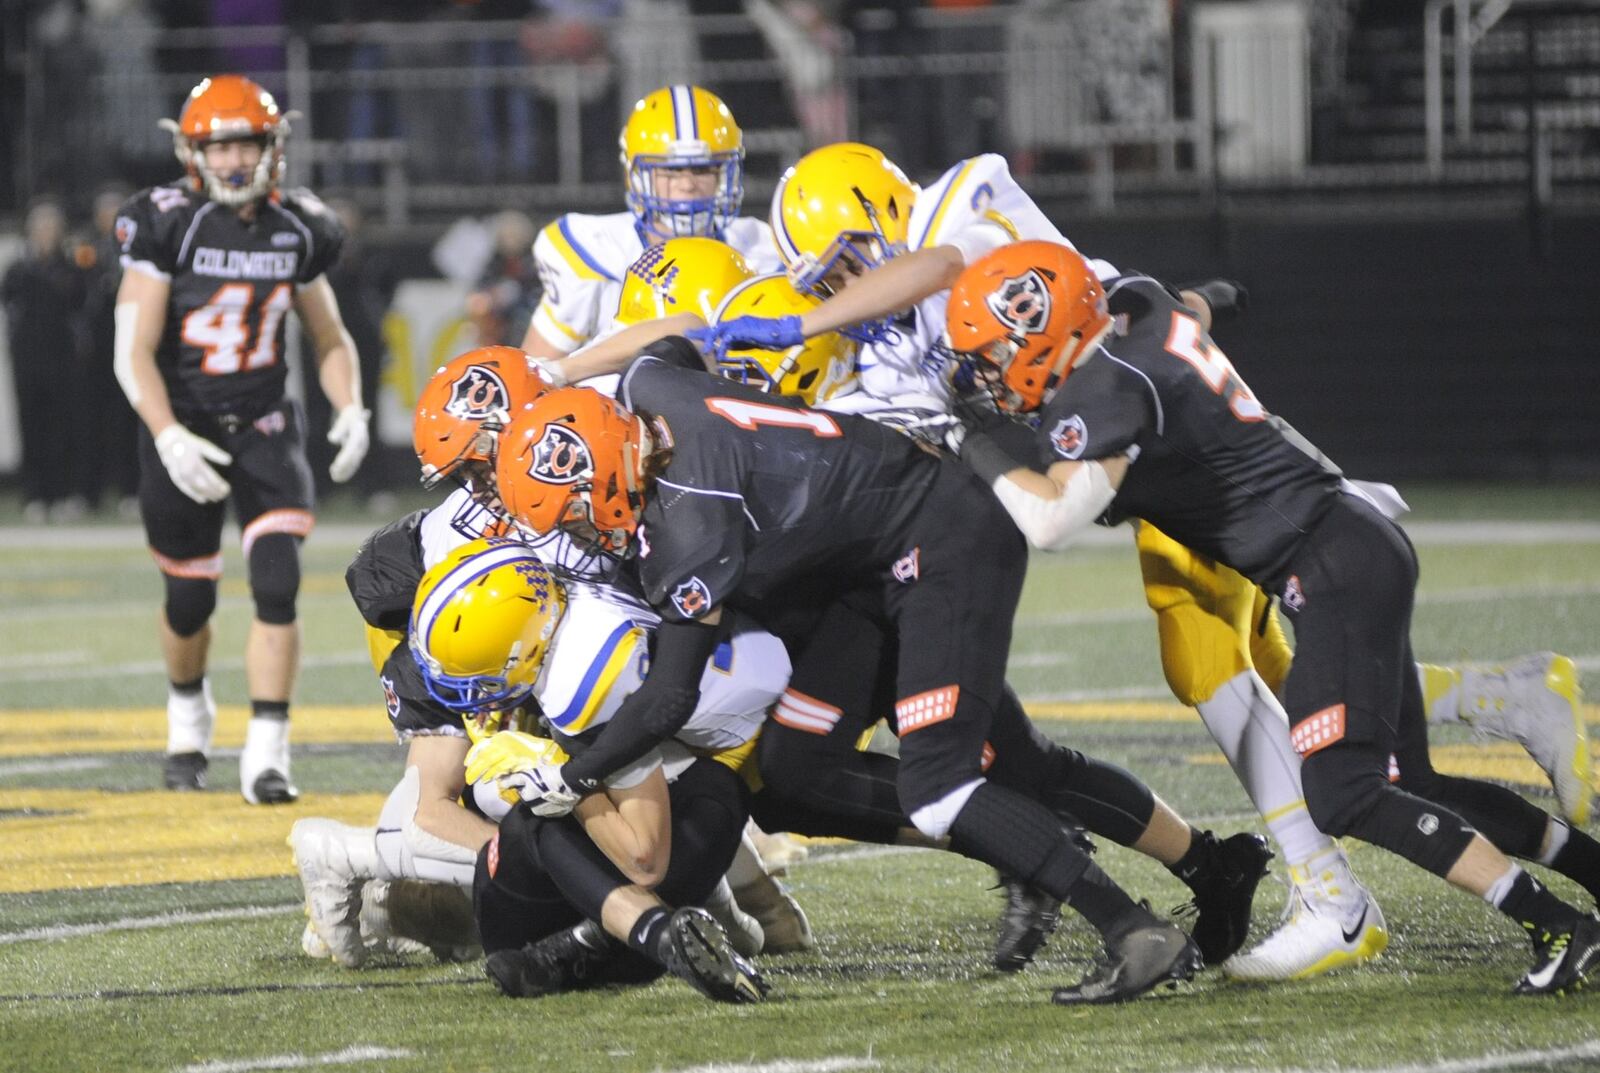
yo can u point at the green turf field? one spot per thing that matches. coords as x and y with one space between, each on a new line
148 931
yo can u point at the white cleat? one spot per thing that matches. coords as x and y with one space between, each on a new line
777 851
783 923
311 944
1536 701
744 931
1319 933
332 887
264 764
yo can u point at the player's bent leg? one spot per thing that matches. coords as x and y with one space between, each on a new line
1535 701
405 850
780 923
334 860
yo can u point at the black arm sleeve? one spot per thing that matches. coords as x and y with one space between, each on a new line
656 711
999 449
384 576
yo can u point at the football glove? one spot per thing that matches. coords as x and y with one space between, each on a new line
510 751
188 459
543 790
767 333
349 434
1227 298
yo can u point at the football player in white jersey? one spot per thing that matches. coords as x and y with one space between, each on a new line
683 156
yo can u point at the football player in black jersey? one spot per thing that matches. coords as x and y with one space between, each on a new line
730 497
1141 415
213 264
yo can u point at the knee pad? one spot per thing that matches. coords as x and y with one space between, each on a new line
189 603
1269 648
275 577
1348 793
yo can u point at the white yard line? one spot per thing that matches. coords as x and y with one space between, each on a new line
297 1061
787 1065
52 767
160 920
1482 1064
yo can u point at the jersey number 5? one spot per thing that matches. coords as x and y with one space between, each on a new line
1186 341
750 415
221 328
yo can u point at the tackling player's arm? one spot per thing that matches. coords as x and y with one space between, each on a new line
616 352
1052 507
439 760
632 827
655 711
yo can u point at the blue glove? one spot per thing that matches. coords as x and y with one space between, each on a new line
766 333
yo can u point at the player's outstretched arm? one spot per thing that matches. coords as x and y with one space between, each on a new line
1049 508
339 373
896 285
615 352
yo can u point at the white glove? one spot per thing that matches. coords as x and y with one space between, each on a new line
543 789
186 457
349 434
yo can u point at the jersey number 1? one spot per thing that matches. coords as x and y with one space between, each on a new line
221 328
751 415
1186 341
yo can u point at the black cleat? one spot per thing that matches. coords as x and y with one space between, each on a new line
559 962
695 949
184 771
1562 962
1133 964
1224 888
271 788
1030 917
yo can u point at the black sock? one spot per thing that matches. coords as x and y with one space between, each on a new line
1579 861
187 689
1536 909
1099 900
270 709
1192 865
646 932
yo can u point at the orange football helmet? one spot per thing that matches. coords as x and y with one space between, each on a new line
572 462
1025 312
464 408
230 108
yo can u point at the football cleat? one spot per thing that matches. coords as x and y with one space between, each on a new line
1224 889
559 962
1134 963
311 944
184 771
1030 917
1536 701
264 763
744 930
777 851
695 949
1318 935
332 889
783 923
1562 962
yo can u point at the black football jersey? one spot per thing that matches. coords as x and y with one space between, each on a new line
233 284
760 490
1211 468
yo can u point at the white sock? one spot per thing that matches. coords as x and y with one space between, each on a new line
190 719
746 867
1558 838
1250 727
266 743
1501 887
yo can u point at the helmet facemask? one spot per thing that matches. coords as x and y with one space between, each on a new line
667 217
850 254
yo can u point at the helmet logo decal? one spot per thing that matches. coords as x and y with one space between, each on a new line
1069 437
560 457
478 393
692 598
1022 303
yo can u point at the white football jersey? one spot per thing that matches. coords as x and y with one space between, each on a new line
582 260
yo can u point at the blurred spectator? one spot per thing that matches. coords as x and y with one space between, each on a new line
503 302
110 441
364 281
810 45
370 113
43 294
502 110
568 43
263 62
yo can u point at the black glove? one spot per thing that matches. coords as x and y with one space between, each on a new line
1227 298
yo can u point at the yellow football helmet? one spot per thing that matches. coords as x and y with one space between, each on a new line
841 200
481 624
821 368
682 275
679 127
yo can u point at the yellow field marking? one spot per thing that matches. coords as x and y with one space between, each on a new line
1120 711
66 839
113 730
